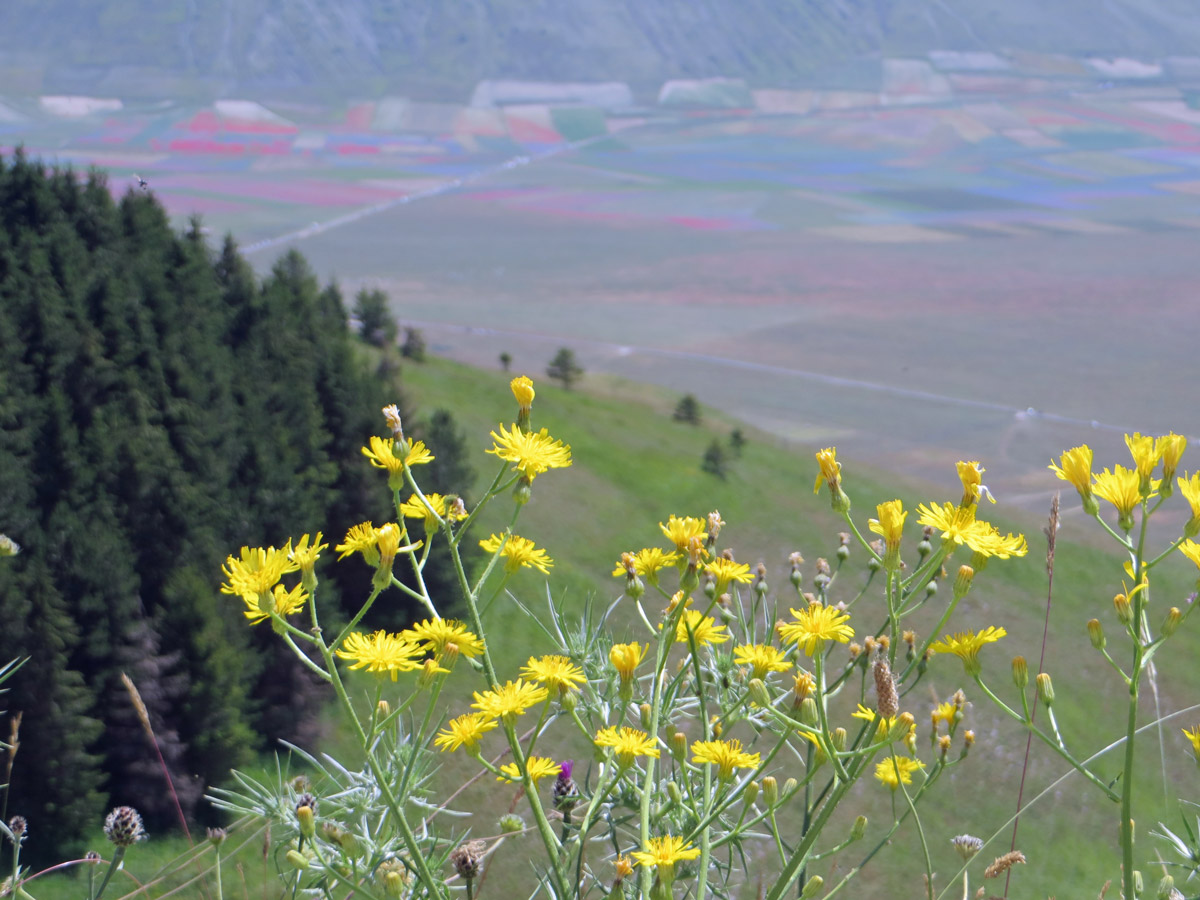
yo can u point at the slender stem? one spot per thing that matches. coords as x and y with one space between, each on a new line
118 856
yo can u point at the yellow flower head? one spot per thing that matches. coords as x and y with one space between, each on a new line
967 644
533 453
954 522
1122 488
944 712
885 723
646 562
627 657
726 571
971 475
510 700
444 636
679 530
1171 446
382 652
890 524
1193 735
465 731
1189 486
762 659
382 454
987 542
830 470
662 853
897 770
539 767
816 626
725 755
1145 451
257 570
1191 550
518 552
1075 466
704 628
279 600
305 555
555 672
522 388
413 508
627 744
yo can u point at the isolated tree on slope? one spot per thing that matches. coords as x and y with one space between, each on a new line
565 368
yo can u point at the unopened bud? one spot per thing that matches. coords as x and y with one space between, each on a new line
931 589
750 794
789 787
674 793
843 553
522 492
1020 670
770 789
967 846
1045 688
809 714
216 836
634 587
1171 622
859 828
1166 888
714 724
943 745
962 581
307 820
758 692
511 823
1138 884
383 709
1123 608
839 738
812 887
297 860
679 745
644 713
393 883
968 740
1096 633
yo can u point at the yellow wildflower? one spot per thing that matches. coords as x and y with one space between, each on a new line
954 522
257 570
518 552
533 453
1122 488
967 644
522 388
413 508
1171 446
510 700
680 530
555 672
663 852
1075 466
897 770
360 538
1193 735
725 755
1191 550
762 658
646 562
382 652
1146 453
279 600
538 767
830 470
464 731
441 636
305 555
704 628
815 626
971 475
627 744
890 524
627 657
726 571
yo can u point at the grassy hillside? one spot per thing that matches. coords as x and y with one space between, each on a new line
634 466
141 48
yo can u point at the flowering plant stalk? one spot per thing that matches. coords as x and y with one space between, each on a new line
693 696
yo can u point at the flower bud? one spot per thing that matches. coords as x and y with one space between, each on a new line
758 692
943 745
1020 670
789 787
962 581
216 836
393 883
931 589
1045 688
1166 888
296 859
839 738
1171 622
1138 884
750 794
1096 633
511 823
307 820
770 789
843 553
859 828
674 793
522 492
645 712
679 745
809 714
1123 608
812 887
634 588
714 724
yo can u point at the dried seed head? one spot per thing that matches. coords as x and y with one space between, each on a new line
888 701
18 826
966 845
123 826
1003 863
467 859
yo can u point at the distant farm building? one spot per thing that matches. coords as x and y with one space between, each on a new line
602 94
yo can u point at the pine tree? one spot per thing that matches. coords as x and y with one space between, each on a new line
687 410
375 323
715 461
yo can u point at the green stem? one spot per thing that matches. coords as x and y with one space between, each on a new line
118 856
